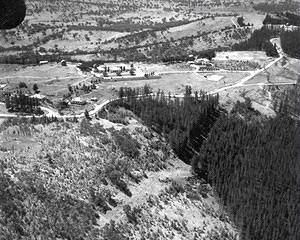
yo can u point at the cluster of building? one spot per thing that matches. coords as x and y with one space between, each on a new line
202 64
114 70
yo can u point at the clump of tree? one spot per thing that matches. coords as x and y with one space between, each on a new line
259 41
282 19
288 102
254 167
128 145
245 110
20 102
185 122
272 7
290 43
35 88
240 21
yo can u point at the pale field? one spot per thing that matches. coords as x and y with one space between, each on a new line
242 56
205 25
257 95
176 33
214 40
52 79
176 83
73 40
194 28
2 109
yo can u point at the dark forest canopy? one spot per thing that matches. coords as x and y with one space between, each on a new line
271 7
290 43
254 167
288 102
251 161
259 41
12 13
185 122
283 18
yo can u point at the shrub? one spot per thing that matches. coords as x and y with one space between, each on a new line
128 145
112 232
98 199
132 214
115 177
175 188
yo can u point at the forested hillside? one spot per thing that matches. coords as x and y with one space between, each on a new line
185 122
283 18
251 161
290 43
259 41
288 102
254 167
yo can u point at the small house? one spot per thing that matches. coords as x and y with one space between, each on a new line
78 101
43 62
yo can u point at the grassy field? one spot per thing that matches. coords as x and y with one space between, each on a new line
242 56
52 79
175 83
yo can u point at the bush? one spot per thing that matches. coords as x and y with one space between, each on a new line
115 177
112 232
98 199
132 214
175 188
128 145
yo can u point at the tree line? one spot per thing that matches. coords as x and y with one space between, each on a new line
273 7
283 18
185 122
21 102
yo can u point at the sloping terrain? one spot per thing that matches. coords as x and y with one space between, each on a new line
101 180
133 30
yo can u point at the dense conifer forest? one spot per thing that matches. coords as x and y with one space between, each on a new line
251 161
273 7
290 43
184 121
283 18
259 41
23 103
288 102
254 167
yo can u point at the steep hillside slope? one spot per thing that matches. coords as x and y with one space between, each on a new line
101 180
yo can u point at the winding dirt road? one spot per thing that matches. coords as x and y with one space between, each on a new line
99 106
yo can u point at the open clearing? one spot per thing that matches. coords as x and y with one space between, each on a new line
175 83
52 79
242 56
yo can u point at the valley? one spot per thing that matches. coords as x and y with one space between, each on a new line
160 119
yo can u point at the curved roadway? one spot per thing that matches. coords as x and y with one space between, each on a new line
98 107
